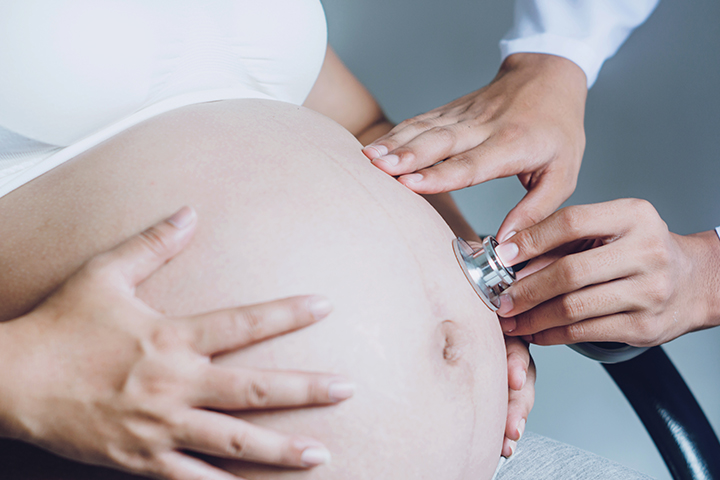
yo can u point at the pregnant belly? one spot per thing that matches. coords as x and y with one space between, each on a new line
287 204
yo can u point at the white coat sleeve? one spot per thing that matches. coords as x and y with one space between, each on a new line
588 32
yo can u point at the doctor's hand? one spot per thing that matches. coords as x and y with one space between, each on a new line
521 391
95 375
610 272
527 122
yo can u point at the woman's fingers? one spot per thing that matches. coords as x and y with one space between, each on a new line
137 258
223 436
232 328
178 466
228 388
518 360
521 393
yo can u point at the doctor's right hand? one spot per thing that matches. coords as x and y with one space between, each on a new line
95 375
610 272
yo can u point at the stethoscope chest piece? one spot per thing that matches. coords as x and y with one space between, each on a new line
484 269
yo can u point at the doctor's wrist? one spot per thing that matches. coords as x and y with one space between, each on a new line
560 69
704 249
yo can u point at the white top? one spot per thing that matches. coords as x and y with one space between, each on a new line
75 72
588 32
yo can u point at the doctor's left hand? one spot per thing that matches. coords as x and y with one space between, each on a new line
527 122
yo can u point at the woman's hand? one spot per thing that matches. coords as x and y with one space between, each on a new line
610 272
521 392
528 122
95 375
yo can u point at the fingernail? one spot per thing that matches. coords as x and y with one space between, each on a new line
320 307
412 178
391 160
315 456
508 324
379 151
507 252
506 237
182 218
506 305
521 428
339 391
512 445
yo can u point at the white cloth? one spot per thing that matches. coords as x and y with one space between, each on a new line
75 72
588 32
717 230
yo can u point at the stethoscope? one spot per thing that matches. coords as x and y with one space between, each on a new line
490 277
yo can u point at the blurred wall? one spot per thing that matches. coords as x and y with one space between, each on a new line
653 132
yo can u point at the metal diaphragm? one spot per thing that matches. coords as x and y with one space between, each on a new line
484 269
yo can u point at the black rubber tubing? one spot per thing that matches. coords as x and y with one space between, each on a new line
670 413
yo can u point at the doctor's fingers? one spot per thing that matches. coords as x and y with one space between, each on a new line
633 328
229 329
419 147
233 388
538 263
609 220
496 157
405 131
223 436
547 189
570 274
595 301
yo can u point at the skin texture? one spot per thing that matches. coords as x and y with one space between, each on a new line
291 207
135 408
610 272
340 96
527 122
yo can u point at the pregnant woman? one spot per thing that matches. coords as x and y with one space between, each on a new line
123 112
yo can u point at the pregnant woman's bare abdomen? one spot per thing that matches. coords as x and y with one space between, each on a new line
288 205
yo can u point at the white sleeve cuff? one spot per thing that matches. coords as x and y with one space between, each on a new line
575 51
717 230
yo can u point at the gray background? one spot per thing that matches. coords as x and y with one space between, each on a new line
652 126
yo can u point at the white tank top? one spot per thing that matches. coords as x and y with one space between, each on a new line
75 72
